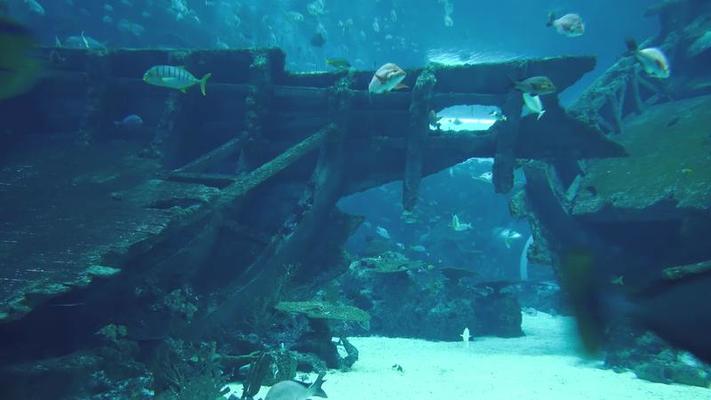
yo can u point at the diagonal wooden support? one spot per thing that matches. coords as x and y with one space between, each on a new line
285 248
249 181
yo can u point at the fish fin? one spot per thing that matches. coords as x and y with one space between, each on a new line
631 45
551 18
184 90
315 388
540 114
168 79
203 83
401 86
381 78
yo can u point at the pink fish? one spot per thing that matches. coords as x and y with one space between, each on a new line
387 78
570 25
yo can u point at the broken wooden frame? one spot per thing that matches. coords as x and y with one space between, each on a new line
259 121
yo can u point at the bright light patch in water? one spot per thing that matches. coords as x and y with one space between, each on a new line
466 118
463 57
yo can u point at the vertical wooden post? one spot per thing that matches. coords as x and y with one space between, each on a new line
419 129
506 136
257 106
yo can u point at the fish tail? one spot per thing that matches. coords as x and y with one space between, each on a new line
551 18
203 83
576 272
315 388
631 45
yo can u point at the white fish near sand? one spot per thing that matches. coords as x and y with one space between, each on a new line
534 105
292 390
653 60
465 337
174 77
387 78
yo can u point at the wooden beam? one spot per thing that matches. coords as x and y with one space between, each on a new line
216 156
252 179
416 139
214 180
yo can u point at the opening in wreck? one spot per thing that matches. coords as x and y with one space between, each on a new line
458 223
466 117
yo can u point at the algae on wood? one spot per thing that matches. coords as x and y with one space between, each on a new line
324 310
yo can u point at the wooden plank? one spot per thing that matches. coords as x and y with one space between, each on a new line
255 178
216 156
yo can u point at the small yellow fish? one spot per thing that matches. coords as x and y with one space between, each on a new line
338 63
618 280
174 77
686 171
536 86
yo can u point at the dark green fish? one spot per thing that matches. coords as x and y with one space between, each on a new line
676 308
19 69
338 63
318 40
536 86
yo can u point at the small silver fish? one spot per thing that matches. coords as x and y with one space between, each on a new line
419 248
80 42
382 232
570 25
459 226
174 77
534 104
487 177
508 236
387 78
130 121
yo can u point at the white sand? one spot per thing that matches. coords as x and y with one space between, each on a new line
542 365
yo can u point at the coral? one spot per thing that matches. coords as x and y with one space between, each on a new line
188 371
113 332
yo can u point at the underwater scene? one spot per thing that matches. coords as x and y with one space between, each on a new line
366 199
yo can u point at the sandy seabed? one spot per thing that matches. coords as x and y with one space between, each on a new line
544 364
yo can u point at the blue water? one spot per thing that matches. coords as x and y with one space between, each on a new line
368 33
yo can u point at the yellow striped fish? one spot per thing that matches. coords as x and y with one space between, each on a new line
173 77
